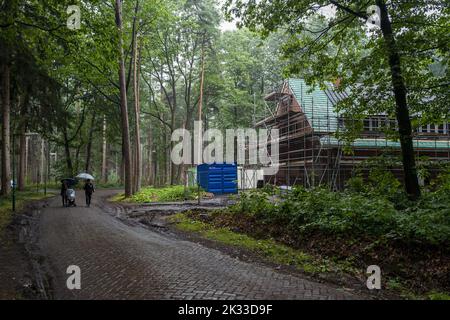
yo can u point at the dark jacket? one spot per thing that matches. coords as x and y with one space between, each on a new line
89 188
63 189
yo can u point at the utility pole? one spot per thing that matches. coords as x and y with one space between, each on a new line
200 106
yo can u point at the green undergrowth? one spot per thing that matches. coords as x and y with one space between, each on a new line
438 296
161 194
364 210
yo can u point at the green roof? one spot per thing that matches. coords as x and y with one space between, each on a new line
316 104
381 142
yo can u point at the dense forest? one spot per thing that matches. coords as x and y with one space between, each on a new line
67 97
100 86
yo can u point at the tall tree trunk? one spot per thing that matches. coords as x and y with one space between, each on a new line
121 170
404 122
200 105
133 39
123 104
173 112
165 178
22 161
155 171
133 163
137 111
150 177
104 174
43 162
89 144
172 144
23 144
69 163
77 156
6 110
131 69
27 157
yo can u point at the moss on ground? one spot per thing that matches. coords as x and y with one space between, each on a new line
275 252
268 248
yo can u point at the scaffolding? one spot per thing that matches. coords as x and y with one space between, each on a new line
309 152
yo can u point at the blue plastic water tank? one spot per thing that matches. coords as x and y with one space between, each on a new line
218 178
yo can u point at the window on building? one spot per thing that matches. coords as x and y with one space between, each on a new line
375 124
366 124
430 128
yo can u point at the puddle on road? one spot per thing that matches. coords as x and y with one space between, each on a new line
153 215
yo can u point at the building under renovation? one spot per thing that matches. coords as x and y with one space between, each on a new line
311 155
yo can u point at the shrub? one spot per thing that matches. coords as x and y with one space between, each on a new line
169 193
255 203
354 214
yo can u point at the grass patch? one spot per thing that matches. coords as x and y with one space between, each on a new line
22 197
163 194
438 296
268 248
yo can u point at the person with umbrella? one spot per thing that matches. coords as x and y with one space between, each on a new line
66 184
88 187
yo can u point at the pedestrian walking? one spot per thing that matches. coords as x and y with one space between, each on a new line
88 191
64 193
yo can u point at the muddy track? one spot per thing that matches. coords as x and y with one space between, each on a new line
30 271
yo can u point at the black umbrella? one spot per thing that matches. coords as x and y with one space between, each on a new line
70 181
